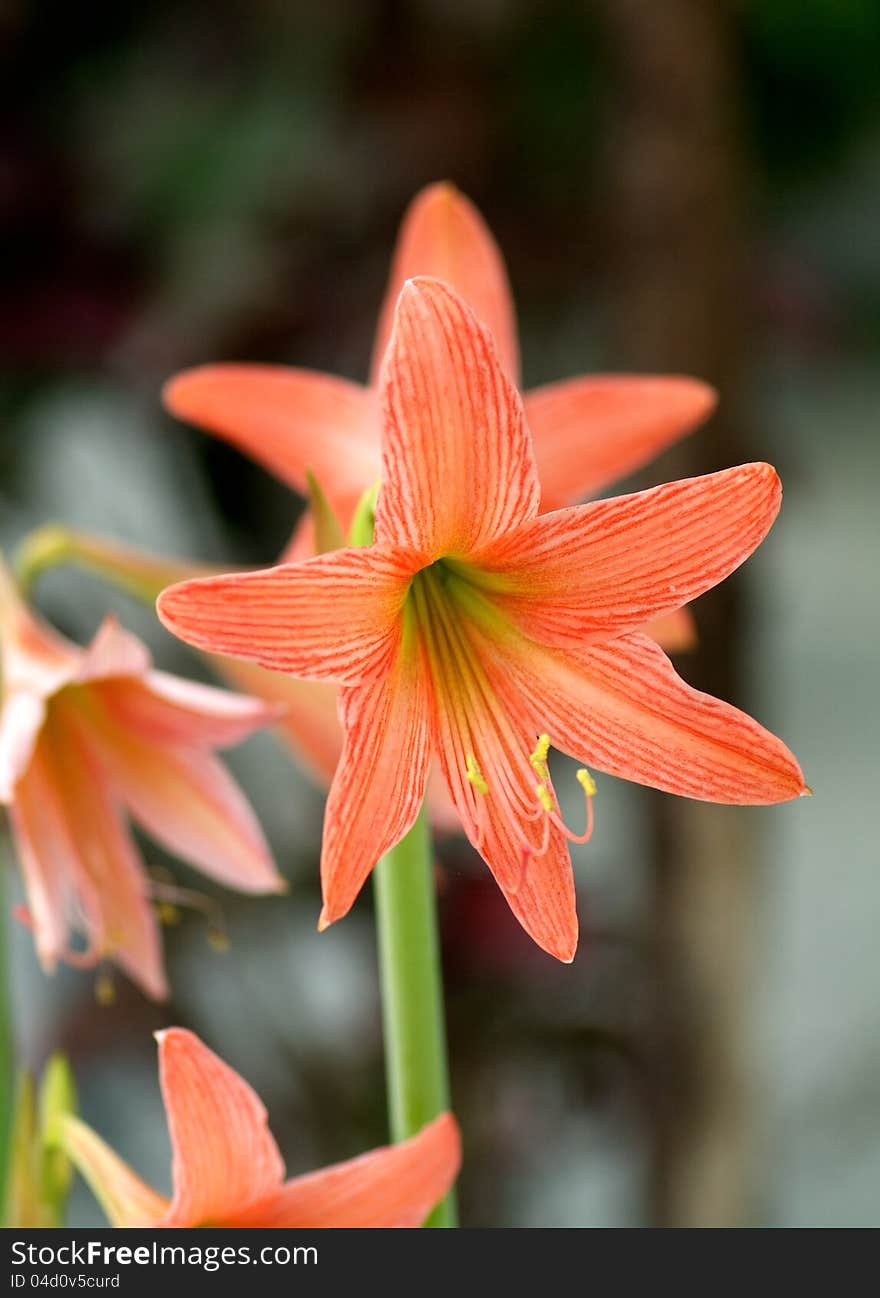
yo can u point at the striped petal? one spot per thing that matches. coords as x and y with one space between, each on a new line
621 708
591 431
380 781
334 617
167 709
390 1187
70 826
595 571
186 800
114 652
33 656
288 420
21 719
47 859
458 468
444 236
484 743
223 1154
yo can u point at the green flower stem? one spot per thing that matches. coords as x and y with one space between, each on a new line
416 1069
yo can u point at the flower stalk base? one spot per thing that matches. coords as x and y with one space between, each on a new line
416 1068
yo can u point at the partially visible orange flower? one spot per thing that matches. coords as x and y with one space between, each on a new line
588 432
87 735
227 1169
477 631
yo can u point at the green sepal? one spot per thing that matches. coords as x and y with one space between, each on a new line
328 530
364 522
39 1172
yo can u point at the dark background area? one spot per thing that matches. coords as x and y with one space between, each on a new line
685 186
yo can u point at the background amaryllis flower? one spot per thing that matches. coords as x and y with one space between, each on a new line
588 431
228 1171
474 628
88 735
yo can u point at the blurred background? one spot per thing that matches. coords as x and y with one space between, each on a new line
686 186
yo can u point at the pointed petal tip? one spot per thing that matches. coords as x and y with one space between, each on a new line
702 399
174 1037
177 392
766 472
791 775
567 952
157 989
422 286
561 946
324 921
438 193
446 1126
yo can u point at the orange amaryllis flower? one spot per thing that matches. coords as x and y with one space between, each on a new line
228 1171
480 631
86 734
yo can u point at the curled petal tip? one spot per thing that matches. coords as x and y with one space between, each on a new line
324 921
806 792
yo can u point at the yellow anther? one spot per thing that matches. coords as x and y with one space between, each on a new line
538 758
105 990
475 775
587 783
544 796
167 913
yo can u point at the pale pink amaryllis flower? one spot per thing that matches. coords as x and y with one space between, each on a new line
478 631
228 1171
90 736
588 431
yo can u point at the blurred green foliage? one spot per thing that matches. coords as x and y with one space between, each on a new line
814 85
